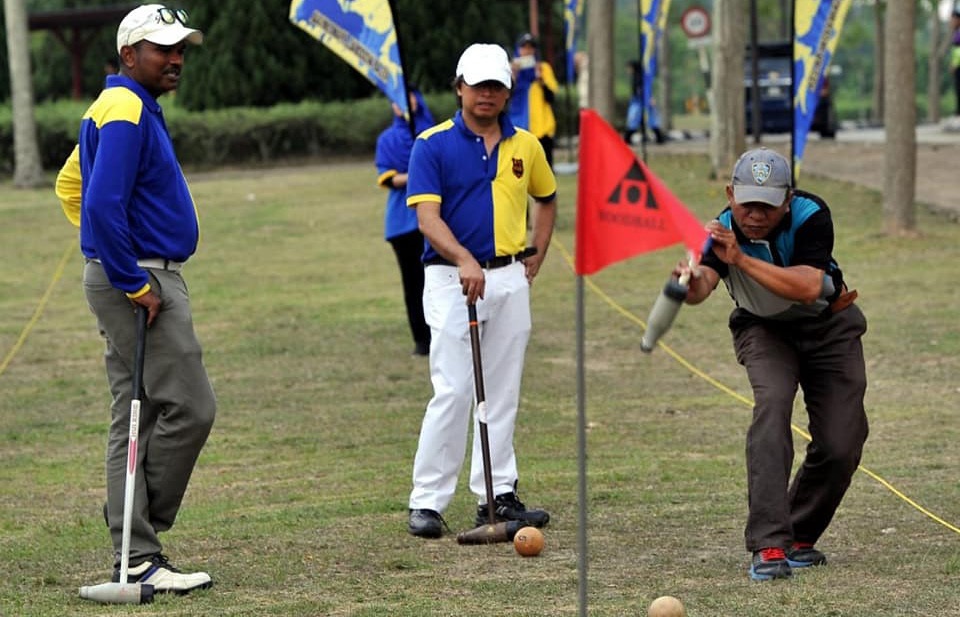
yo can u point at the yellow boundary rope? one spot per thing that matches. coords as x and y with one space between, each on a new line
699 373
58 273
40 306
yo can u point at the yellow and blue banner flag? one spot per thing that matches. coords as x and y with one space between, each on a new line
362 33
572 12
653 22
816 25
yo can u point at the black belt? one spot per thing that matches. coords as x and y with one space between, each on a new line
496 262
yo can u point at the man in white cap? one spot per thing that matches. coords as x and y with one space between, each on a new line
795 324
469 179
123 186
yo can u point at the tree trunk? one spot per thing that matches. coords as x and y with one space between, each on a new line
786 19
27 169
878 57
600 51
726 96
900 156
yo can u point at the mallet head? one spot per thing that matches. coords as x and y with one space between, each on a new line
490 534
662 314
118 593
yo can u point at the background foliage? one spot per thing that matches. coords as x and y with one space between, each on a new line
247 135
253 56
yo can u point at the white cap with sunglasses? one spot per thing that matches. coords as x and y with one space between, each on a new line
157 24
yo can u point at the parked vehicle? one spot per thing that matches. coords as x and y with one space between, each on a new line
774 62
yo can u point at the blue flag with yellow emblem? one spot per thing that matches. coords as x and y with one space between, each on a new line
817 25
572 10
363 34
653 21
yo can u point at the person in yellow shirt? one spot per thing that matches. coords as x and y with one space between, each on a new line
534 88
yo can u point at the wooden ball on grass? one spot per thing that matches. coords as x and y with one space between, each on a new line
528 541
666 606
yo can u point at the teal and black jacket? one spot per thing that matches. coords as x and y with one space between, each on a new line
803 237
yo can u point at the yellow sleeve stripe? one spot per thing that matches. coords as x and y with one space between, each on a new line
443 126
139 292
413 200
384 178
115 104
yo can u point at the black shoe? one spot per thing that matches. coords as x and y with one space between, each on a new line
426 524
770 563
507 507
803 555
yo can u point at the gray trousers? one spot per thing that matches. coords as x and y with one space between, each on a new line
177 408
825 358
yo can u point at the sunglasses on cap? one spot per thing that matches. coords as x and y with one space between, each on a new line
170 16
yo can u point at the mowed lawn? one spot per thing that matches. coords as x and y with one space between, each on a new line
298 504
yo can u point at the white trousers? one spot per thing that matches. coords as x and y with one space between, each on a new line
504 317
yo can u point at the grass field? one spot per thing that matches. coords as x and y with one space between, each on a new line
298 504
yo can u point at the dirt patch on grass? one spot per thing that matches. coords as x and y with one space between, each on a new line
863 164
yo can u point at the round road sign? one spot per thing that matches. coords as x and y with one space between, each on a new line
695 22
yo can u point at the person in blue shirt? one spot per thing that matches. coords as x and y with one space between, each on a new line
795 324
471 177
635 108
123 186
400 222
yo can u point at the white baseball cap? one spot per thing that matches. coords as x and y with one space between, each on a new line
157 24
485 62
761 175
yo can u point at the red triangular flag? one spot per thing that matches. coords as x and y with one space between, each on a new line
622 208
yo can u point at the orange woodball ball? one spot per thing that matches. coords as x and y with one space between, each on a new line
528 541
666 606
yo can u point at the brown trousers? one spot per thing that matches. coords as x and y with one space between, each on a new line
824 357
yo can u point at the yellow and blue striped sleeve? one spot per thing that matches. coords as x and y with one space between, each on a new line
425 178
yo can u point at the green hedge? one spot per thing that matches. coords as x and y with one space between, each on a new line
226 136
242 135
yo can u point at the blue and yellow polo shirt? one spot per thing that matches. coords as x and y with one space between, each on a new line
483 199
123 186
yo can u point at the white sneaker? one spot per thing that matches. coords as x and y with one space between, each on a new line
164 577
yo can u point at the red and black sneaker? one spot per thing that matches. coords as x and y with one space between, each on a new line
803 555
770 563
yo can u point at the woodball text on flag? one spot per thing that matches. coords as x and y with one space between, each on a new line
623 209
